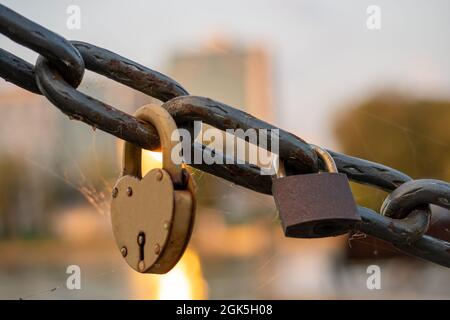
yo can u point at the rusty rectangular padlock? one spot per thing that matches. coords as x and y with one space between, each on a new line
315 205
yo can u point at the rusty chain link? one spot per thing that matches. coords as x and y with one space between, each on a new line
59 70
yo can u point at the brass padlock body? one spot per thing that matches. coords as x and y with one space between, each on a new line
152 217
315 205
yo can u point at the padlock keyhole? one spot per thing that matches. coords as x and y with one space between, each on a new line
141 243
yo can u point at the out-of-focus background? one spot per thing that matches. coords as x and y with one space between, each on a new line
311 67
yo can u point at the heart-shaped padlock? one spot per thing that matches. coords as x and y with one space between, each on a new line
152 217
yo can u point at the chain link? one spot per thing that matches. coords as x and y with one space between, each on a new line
64 56
60 68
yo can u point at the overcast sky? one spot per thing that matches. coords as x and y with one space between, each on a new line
324 56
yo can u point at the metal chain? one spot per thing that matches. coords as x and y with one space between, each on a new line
60 68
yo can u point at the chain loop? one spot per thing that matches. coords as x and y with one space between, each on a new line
406 234
63 55
128 72
415 193
396 231
296 153
17 71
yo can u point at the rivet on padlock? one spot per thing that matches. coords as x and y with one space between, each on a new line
315 205
152 217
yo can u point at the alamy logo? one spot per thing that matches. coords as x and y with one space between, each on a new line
232 143
374 280
373 21
74 18
73 281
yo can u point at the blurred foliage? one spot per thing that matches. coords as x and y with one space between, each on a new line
407 134
26 198
10 182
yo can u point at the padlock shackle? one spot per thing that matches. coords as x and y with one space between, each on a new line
330 164
167 130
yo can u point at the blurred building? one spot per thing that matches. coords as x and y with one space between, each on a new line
240 76
28 135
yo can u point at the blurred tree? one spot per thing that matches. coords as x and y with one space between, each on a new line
408 134
10 183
